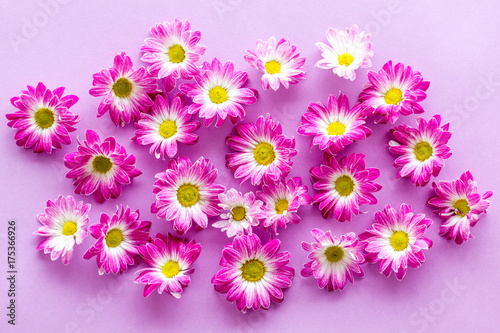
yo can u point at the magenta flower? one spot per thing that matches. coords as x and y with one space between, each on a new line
43 119
64 224
343 186
218 93
186 193
333 260
393 90
170 259
423 149
334 126
282 201
252 274
459 204
396 240
100 167
263 153
279 62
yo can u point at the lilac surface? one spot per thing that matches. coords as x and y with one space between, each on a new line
454 46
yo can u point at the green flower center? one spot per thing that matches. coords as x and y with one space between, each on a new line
114 237
423 151
393 96
345 59
217 95
264 153
176 54
462 205
344 185
334 253
281 206
253 270
273 67
122 87
188 195
171 269
102 164
238 213
168 128
336 128
399 240
44 118
69 228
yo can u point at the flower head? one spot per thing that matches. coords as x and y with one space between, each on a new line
100 167
459 204
186 193
333 260
64 224
279 62
263 153
252 274
348 50
117 240
393 90
334 126
344 185
423 149
396 240
43 119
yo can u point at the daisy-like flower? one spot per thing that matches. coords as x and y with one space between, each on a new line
186 193
334 126
170 259
279 62
218 93
165 126
125 89
348 50
423 149
334 260
459 204
173 51
282 201
100 167
252 274
396 240
393 90
263 153
64 224
243 213
344 185
117 240
43 119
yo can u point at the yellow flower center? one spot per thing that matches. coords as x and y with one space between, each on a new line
462 205
176 54
188 195
423 151
171 269
238 213
168 128
114 237
393 96
253 270
345 59
69 228
399 240
102 164
122 87
44 118
273 67
336 128
281 206
264 153
344 185
334 253
217 95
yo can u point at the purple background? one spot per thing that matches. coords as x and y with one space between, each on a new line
455 47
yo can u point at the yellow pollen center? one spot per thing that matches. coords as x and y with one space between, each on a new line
122 87
273 67
345 59
171 269
462 207
334 253
264 153
393 96
188 195
253 270
344 185
281 206
423 151
336 128
176 54
238 213
69 228
217 95
114 237
399 240
44 118
168 128
102 164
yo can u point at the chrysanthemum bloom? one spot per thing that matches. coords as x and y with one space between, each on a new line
459 204
253 275
348 50
64 224
218 93
165 126
396 240
186 193
423 149
170 259
344 185
100 167
334 126
117 240
243 213
43 119
334 260
279 62
393 90
282 201
263 153
173 51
